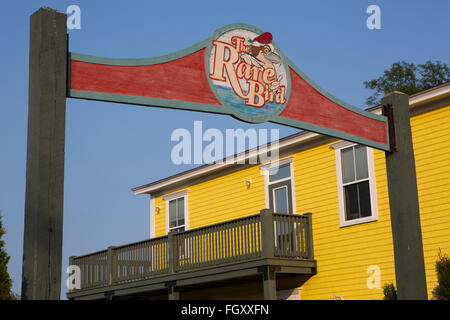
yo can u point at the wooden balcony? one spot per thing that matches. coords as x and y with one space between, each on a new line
274 248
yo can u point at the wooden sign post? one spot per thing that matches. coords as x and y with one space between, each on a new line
404 202
238 71
42 245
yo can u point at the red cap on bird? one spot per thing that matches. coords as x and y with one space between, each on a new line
265 38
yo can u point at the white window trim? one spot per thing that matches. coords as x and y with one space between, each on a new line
152 217
338 146
274 164
173 196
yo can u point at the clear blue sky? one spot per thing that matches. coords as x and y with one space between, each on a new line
111 148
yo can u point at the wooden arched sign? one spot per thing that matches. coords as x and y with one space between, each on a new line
238 71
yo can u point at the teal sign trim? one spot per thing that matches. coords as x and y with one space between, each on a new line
331 132
142 61
146 101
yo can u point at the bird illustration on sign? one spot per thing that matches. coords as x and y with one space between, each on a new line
262 55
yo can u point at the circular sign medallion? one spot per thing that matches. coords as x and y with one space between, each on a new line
248 73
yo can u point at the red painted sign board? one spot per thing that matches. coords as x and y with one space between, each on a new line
238 71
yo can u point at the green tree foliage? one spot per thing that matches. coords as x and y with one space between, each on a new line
442 291
5 280
389 292
407 78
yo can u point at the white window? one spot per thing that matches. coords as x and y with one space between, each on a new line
176 215
356 183
176 211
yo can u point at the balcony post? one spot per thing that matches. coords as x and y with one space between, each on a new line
110 265
171 251
309 235
267 234
269 282
172 293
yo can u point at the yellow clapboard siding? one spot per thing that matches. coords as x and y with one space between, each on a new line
431 147
355 267
429 158
427 128
425 138
435 115
331 241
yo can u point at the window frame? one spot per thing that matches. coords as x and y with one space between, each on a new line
343 222
174 196
265 168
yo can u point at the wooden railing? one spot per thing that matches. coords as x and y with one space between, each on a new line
264 235
228 242
292 236
94 269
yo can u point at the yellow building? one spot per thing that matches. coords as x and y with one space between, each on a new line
342 185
